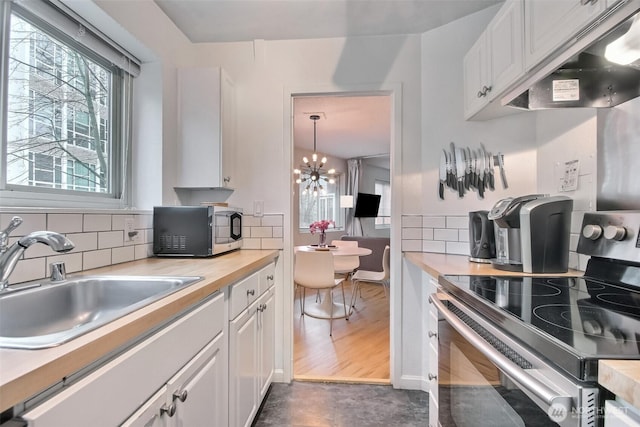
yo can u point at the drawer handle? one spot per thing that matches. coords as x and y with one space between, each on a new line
180 395
251 292
432 377
432 334
169 410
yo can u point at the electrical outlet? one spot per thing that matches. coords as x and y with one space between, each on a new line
130 233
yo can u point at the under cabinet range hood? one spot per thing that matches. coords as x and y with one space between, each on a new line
583 73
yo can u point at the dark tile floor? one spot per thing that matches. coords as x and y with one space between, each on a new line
311 404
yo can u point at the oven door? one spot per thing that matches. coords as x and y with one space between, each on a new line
487 379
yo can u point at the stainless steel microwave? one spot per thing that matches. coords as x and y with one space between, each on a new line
197 231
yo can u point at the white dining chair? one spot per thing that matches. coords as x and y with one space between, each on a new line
345 265
381 277
314 270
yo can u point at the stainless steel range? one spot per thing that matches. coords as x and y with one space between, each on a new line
517 350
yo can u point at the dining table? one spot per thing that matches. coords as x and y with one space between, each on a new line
326 308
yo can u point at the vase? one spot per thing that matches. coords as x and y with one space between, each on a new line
322 242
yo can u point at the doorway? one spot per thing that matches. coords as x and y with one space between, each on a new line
354 125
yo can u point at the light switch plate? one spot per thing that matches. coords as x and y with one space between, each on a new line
258 208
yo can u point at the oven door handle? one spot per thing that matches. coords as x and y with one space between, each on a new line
516 373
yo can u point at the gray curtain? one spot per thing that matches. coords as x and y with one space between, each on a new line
352 226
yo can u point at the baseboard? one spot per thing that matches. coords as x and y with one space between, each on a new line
412 382
347 380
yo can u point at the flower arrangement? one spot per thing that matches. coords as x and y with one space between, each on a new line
321 226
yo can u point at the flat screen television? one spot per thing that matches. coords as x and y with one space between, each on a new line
367 205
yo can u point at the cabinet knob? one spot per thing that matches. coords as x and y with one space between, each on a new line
226 179
262 307
432 334
481 94
270 277
180 395
432 377
251 292
169 410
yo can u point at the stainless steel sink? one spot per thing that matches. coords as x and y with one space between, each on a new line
51 314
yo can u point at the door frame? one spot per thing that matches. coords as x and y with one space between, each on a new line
394 90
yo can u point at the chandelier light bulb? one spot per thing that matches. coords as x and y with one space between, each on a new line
297 171
332 181
305 159
331 171
324 160
298 181
314 157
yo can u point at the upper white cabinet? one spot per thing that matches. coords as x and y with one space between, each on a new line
206 122
495 61
551 23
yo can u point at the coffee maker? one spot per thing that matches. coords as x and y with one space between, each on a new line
532 233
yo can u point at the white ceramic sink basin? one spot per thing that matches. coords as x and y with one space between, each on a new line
51 314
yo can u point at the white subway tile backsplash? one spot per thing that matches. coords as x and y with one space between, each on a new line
64 223
457 222
250 243
445 234
411 245
143 251
413 221
463 235
434 222
427 233
458 248
95 259
72 262
94 222
433 246
143 221
28 269
122 254
412 233
110 239
261 232
278 232
84 241
251 221
30 223
117 221
272 221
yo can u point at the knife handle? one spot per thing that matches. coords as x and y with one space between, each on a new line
441 190
492 182
481 189
460 188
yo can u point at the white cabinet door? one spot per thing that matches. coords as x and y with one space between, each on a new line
476 77
266 334
243 362
206 110
551 23
494 61
151 413
506 42
199 389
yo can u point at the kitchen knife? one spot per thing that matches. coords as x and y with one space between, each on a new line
491 179
443 174
474 169
467 176
450 179
503 175
481 175
460 168
454 166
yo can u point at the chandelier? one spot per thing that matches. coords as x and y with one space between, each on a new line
312 172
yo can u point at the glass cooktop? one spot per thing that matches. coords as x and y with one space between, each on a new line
572 321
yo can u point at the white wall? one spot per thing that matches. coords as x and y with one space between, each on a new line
443 51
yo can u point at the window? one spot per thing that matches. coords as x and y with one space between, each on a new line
323 206
66 117
383 220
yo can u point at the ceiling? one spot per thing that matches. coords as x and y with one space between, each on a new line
350 126
247 20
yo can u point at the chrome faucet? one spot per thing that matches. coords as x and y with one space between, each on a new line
9 255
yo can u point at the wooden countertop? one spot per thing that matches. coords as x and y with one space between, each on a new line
621 377
441 264
24 373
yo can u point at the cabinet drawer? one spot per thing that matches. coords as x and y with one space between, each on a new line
123 383
244 293
267 277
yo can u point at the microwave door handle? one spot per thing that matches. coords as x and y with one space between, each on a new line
540 390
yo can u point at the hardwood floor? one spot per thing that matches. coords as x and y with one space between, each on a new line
358 351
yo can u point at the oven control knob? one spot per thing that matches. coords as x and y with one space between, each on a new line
592 232
613 232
